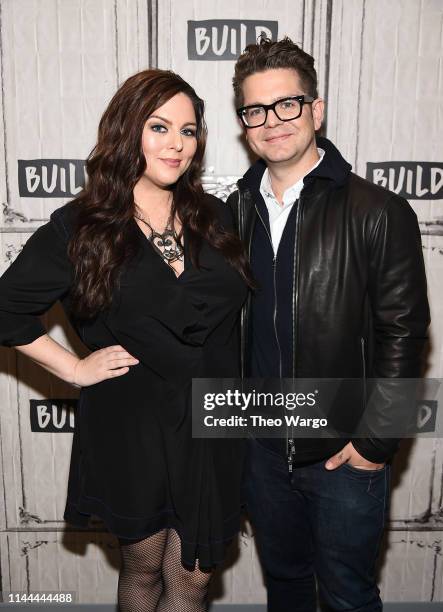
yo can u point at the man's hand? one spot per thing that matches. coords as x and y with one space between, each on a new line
348 454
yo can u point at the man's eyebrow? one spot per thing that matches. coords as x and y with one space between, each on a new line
274 100
169 122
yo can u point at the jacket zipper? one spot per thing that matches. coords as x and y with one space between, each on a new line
274 266
245 310
242 313
290 442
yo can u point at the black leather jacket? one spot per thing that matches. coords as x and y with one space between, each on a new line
359 306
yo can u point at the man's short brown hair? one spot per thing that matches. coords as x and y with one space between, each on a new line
266 55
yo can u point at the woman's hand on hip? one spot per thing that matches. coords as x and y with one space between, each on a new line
102 364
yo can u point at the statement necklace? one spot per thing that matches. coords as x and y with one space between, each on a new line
168 243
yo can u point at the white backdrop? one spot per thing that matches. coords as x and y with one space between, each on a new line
380 69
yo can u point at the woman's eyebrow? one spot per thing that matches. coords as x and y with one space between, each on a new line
158 117
169 122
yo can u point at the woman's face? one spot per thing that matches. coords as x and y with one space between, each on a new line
169 141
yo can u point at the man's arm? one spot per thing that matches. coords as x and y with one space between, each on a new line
400 311
397 291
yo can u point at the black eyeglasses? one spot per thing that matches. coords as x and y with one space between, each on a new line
285 109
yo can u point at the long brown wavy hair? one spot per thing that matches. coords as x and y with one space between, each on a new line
105 235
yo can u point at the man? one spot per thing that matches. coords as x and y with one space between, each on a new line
342 294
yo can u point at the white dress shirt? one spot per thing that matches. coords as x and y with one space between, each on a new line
279 213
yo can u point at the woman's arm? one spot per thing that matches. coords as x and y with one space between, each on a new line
52 356
39 276
102 364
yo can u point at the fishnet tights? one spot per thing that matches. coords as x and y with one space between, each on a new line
152 578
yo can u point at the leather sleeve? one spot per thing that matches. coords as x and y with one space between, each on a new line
222 212
232 204
400 311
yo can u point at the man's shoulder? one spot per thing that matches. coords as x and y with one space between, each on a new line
365 194
232 197
221 209
366 187
233 200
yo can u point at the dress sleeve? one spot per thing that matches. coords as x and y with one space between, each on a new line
39 276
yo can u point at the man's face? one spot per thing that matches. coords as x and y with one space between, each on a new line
281 142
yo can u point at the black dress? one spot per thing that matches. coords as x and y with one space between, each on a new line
134 462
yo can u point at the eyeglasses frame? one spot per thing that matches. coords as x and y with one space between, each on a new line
302 99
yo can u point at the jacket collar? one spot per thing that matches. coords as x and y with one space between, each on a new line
333 167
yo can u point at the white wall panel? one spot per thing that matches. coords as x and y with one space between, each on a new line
59 69
52 561
412 568
213 79
35 464
240 580
342 105
417 485
133 44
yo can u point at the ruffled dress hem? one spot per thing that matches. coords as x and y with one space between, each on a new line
209 554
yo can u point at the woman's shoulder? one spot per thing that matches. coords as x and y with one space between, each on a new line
221 210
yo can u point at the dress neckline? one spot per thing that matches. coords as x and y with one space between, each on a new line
186 262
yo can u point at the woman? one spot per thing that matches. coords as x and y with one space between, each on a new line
152 280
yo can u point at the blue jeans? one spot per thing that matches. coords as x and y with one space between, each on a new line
316 526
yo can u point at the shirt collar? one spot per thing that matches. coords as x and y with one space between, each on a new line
291 193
